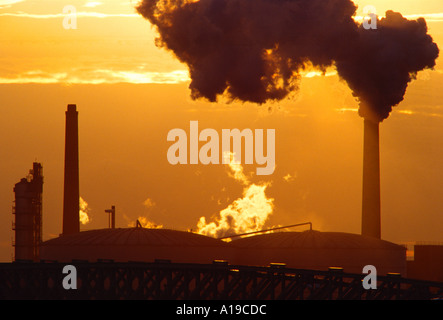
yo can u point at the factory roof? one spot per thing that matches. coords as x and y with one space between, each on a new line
314 239
135 237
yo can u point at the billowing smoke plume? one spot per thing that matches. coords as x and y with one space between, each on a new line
252 50
381 63
255 50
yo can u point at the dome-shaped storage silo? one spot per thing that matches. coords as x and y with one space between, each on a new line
135 244
320 250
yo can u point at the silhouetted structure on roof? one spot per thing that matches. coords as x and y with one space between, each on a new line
111 217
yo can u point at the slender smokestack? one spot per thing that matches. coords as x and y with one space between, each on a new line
371 225
71 221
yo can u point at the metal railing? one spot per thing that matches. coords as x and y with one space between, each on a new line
268 230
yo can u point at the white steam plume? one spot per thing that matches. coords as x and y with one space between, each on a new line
246 214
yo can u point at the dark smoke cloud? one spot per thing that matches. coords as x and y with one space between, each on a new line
254 50
381 63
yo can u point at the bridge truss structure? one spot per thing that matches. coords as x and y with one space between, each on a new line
163 280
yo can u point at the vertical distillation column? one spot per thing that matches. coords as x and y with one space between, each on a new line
37 190
28 215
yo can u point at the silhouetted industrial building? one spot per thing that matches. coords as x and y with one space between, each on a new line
135 244
28 215
311 249
321 250
303 250
427 263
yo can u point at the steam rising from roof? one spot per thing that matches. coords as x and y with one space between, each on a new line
84 211
246 214
256 50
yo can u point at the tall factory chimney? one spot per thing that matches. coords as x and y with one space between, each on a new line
71 206
371 224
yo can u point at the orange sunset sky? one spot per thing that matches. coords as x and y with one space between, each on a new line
130 94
